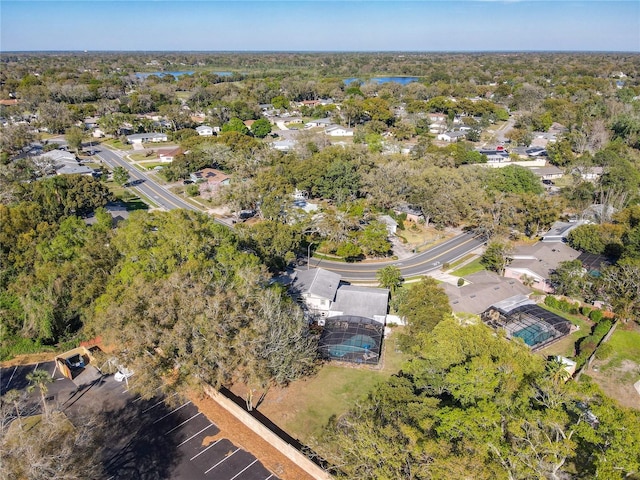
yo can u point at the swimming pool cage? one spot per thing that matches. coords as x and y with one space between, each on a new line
350 338
536 326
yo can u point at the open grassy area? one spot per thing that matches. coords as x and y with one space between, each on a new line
139 157
469 268
116 143
304 408
566 346
626 346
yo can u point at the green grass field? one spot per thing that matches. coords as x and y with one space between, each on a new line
469 268
626 346
116 143
305 407
566 346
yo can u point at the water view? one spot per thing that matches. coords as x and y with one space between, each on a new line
381 80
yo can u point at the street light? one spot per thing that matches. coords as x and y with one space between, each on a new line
309 255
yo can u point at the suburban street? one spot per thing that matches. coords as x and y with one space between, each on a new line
141 181
419 264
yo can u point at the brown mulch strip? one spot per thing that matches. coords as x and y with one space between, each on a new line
242 436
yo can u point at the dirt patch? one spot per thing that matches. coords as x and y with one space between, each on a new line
239 434
618 382
29 359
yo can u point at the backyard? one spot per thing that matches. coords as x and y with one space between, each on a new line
304 407
617 373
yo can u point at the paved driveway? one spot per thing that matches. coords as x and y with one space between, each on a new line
160 438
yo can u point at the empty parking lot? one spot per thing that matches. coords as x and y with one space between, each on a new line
164 437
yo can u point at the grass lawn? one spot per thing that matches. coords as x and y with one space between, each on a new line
626 346
140 157
304 408
116 143
469 268
566 346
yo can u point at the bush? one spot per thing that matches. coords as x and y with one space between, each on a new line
550 301
596 315
193 190
460 281
585 311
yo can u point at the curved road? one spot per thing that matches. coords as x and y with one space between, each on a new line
419 264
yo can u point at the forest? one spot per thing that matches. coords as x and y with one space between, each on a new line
185 300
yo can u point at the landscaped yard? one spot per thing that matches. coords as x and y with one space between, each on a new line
304 408
421 237
116 143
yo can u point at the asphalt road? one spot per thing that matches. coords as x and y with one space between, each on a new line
420 264
164 437
141 181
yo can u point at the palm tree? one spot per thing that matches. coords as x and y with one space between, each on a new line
390 277
40 379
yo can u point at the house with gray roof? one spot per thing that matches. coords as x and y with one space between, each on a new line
481 290
65 163
140 138
360 301
317 288
534 263
560 230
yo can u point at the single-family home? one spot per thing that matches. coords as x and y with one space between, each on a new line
283 145
451 136
589 174
560 230
316 288
413 214
550 172
204 130
496 156
321 122
533 264
168 155
210 176
481 290
338 131
65 163
366 302
390 223
140 138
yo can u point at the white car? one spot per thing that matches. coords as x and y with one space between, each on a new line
122 374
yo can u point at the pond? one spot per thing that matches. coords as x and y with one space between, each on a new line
381 80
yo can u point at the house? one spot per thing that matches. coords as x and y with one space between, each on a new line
283 145
481 290
437 117
357 301
317 289
413 214
496 156
451 136
338 131
390 223
533 264
98 133
559 231
310 103
550 172
204 130
140 138
589 174
211 176
168 155
65 163
322 122
117 210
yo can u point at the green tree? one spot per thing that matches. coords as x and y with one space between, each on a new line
568 278
40 379
120 175
235 125
374 239
390 277
496 256
74 137
514 179
261 128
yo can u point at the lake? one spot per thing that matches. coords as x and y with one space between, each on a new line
381 80
177 74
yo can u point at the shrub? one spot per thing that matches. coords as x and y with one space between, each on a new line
460 281
551 301
585 311
596 315
193 190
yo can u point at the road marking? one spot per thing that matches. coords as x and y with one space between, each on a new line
269 477
245 468
161 401
198 454
196 434
178 426
11 377
225 458
172 411
36 367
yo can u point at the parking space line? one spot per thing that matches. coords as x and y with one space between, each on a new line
36 367
11 377
196 434
241 471
269 477
178 426
156 404
200 453
172 411
225 458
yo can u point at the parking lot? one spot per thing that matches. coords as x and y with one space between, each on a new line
164 437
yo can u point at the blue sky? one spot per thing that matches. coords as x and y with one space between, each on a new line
319 25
